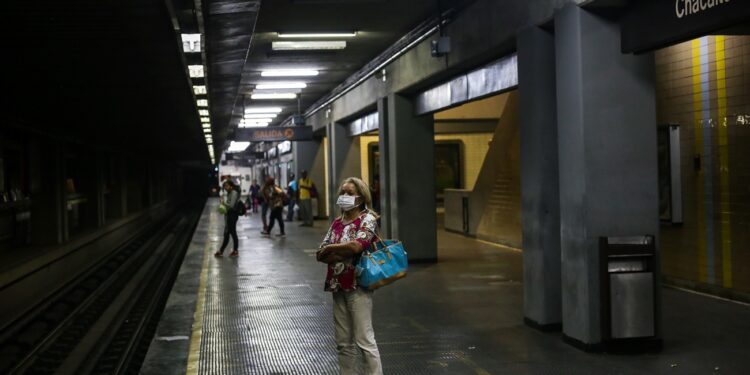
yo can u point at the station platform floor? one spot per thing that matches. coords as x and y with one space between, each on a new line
265 312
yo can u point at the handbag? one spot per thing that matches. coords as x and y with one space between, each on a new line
385 262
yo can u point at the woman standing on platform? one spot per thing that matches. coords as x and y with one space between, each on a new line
349 235
231 217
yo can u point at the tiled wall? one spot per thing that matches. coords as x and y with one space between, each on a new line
704 86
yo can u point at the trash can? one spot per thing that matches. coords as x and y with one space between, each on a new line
629 308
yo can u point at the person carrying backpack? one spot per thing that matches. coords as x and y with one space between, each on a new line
234 206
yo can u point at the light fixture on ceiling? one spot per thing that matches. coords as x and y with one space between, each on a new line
280 85
260 115
262 119
207 131
203 112
273 96
235 146
191 43
202 102
289 73
308 45
317 35
263 109
199 89
206 126
196 71
205 119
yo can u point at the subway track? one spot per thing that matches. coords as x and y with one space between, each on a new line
103 321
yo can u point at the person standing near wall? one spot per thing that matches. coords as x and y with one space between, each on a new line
291 192
230 218
306 193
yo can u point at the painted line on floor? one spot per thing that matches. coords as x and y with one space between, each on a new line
194 352
506 247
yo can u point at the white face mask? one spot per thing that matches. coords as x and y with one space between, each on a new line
346 202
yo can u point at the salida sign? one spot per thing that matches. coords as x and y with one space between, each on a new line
652 24
275 134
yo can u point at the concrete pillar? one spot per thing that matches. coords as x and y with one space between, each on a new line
540 195
411 179
385 201
303 156
344 161
606 116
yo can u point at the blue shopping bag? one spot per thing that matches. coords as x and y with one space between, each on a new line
383 264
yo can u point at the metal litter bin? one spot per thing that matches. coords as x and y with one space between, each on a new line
628 288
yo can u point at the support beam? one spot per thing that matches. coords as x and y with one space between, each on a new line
411 179
540 194
606 111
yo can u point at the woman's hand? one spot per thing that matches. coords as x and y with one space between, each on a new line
338 252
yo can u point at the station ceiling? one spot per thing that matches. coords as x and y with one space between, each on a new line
233 78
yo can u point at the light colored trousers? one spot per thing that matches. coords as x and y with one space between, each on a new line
306 213
352 316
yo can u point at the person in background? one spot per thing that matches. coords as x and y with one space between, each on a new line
230 218
349 235
276 203
266 193
265 199
291 192
254 196
306 193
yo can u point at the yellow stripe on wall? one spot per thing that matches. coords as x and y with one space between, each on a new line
700 231
724 198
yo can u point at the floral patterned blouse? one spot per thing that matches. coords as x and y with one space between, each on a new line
342 276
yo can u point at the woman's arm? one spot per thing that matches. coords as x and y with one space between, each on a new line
338 252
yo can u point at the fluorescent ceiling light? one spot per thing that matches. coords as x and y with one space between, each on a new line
196 71
280 85
312 45
199 89
203 112
260 115
207 130
205 119
206 126
317 35
289 73
262 109
254 125
274 96
263 119
237 146
191 42
202 102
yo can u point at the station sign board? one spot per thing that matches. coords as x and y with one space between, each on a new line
275 134
652 24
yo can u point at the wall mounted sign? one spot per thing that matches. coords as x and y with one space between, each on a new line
652 24
275 134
